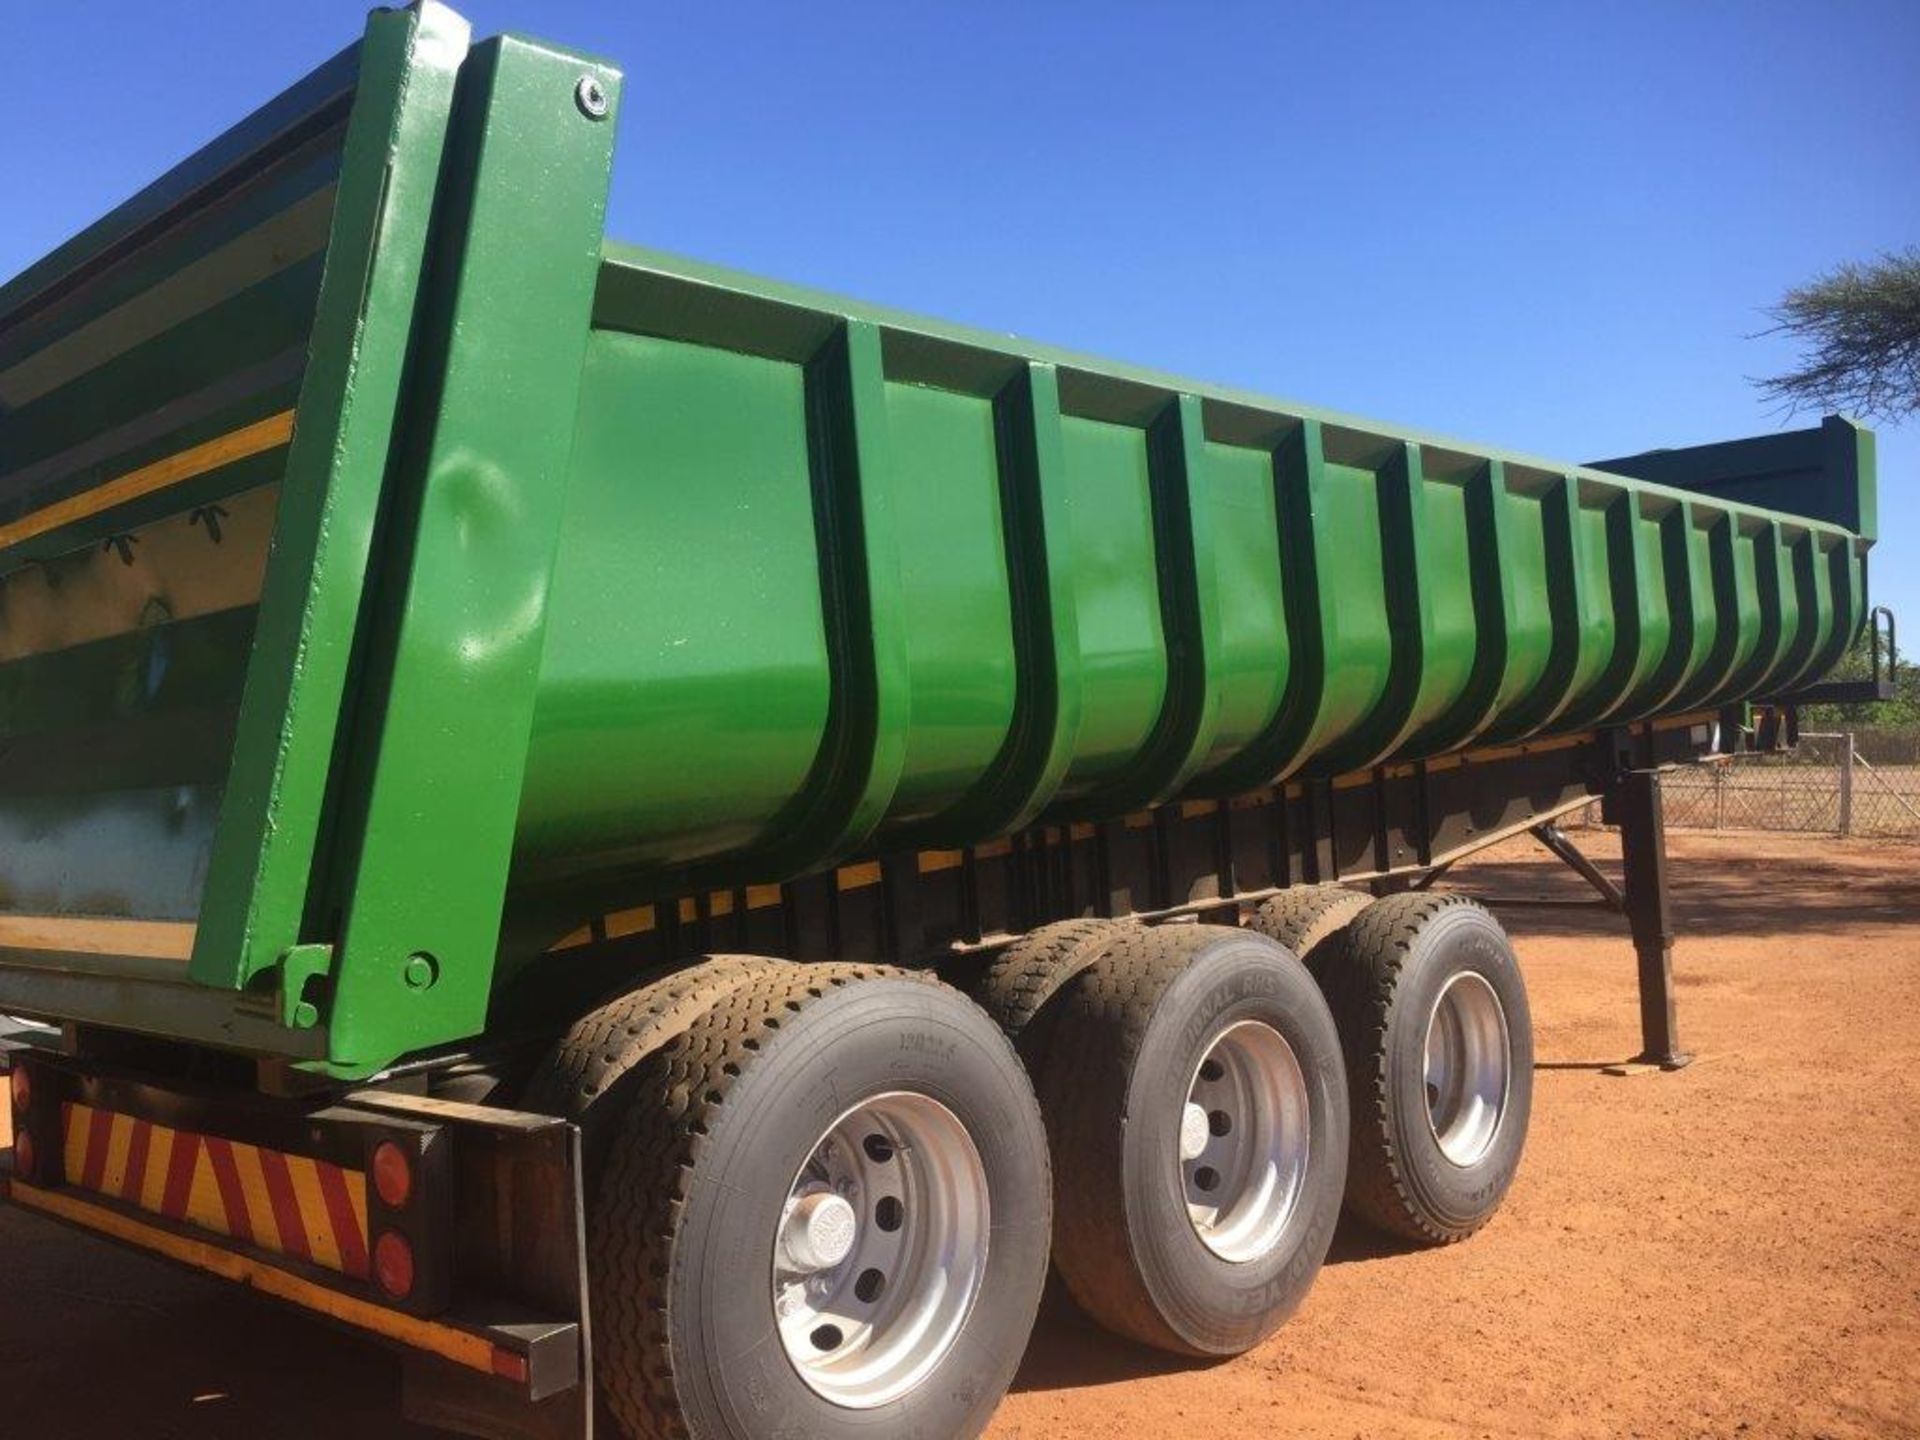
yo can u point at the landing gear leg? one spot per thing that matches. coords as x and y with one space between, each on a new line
1643 850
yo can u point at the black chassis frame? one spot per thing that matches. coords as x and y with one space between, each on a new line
1391 827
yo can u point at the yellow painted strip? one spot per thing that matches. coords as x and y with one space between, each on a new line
582 936
151 939
205 1208
262 435
1194 809
689 911
630 922
1080 830
119 1141
759 897
314 1220
153 1184
993 848
472 1351
257 1198
719 903
1140 820
79 1127
931 862
856 877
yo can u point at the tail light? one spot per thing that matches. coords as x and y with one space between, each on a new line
26 1163
410 1214
22 1086
393 1264
392 1175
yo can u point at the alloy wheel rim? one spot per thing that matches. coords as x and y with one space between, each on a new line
1244 1141
881 1249
1467 1065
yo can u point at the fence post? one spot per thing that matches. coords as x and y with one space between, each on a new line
1720 796
1846 784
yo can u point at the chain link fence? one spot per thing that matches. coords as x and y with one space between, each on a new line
1851 783
1888 748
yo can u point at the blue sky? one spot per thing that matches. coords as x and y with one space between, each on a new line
1549 227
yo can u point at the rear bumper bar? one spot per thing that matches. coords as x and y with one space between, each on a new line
280 1198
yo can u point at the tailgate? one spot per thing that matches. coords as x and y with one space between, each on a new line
196 406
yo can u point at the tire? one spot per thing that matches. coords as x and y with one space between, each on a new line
1308 920
580 1078
688 1223
1399 958
1123 1066
1022 988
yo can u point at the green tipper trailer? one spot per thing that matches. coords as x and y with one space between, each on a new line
501 731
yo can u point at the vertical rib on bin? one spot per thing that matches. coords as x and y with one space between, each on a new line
1189 618
1738 609
1687 571
1496 619
1566 586
1756 552
1028 770
1843 601
1305 714
1410 619
865 745
1642 627
1811 607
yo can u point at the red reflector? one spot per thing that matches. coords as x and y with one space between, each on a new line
25 1162
22 1089
392 1175
393 1264
509 1365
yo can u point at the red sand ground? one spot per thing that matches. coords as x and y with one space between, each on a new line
1733 1250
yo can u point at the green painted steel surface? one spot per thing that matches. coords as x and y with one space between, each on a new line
599 573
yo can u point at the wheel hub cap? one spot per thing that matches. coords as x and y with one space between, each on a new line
881 1250
820 1232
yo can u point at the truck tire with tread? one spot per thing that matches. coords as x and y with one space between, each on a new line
1133 1042
603 1046
1023 986
1308 920
715 1131
1386 982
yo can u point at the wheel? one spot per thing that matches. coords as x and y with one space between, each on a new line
1433 1016
1308 919
1197 1109
1023 986
825 1212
